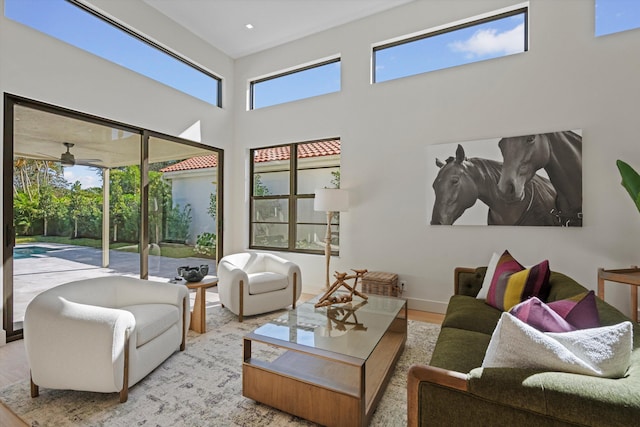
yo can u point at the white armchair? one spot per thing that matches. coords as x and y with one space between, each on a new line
103 334
254 283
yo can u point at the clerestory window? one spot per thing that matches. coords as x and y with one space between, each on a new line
477 39
292 85
80 26
614 16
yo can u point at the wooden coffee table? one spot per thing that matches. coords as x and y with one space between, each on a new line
199 313
335 363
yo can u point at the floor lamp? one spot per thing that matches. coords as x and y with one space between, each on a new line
330 200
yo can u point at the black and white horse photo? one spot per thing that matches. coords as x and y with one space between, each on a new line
532 180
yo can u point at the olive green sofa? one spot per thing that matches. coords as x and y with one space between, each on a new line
453 390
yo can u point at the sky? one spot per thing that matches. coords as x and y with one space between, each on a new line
505 36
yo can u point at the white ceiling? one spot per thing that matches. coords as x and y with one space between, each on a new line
222 23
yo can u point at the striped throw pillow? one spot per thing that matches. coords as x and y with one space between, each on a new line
512 283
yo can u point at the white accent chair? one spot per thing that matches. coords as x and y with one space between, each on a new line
254 283
103 334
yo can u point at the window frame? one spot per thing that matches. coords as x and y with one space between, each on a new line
292 199
294 70
472 22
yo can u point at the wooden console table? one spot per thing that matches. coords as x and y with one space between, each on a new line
199 313
629 276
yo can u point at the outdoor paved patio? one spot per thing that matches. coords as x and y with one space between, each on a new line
38 272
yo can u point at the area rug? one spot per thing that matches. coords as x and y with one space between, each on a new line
202 386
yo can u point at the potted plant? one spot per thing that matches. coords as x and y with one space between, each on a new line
630 181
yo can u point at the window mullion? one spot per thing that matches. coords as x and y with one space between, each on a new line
293 195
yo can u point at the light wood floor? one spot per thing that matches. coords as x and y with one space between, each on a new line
14 366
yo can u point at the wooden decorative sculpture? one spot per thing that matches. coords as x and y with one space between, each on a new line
328 298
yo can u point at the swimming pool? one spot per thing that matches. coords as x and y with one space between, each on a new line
30 251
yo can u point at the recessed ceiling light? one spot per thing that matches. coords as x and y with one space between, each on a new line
249 26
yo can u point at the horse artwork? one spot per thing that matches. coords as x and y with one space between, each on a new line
533 180
560 155
462 181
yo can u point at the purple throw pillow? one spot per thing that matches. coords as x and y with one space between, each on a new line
580 310
577 312
539 315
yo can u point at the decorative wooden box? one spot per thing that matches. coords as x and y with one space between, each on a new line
381 283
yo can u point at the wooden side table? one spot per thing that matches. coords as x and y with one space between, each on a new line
629 276
199 313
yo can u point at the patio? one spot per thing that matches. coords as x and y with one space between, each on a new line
49 264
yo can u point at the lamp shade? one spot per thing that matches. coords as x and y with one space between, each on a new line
331 200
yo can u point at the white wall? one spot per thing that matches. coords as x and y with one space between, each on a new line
39 67
194 188
567 80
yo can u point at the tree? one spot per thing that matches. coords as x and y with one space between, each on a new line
25 211
35 183
79 206
124 200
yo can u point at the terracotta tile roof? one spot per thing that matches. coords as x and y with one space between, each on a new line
312 149
199 162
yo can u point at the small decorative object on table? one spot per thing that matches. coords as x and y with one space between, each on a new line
381 283
338 318
193 274
328 298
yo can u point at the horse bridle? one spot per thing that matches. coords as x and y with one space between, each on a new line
567 220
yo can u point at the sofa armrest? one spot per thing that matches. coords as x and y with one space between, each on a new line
76 346
230 274
432 374
229 277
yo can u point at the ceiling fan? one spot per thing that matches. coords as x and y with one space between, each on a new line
68 159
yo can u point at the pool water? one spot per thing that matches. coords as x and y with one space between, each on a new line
30 251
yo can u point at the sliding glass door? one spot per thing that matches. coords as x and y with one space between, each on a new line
87 197
183 207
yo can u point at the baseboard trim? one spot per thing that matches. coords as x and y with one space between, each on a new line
426 305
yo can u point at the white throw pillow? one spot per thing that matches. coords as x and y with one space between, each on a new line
486 283
602 352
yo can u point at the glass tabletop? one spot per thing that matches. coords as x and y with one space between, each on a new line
352 329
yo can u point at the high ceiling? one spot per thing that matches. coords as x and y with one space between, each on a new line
222 23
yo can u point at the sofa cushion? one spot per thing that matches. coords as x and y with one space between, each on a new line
573 399
603 352
465 312
260 283
459 350
512 283
152 320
